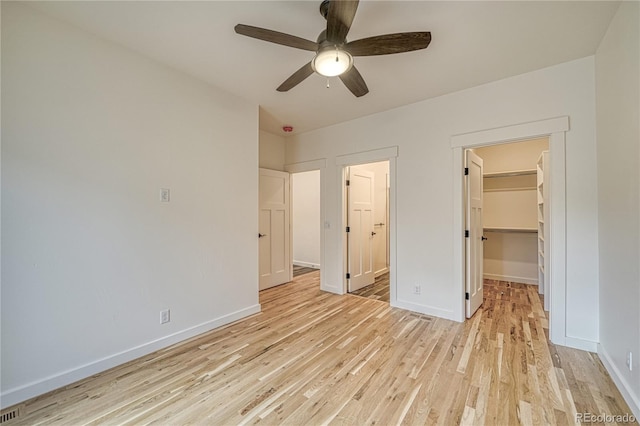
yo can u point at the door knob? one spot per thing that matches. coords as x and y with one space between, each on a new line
373 233
484 238
262 235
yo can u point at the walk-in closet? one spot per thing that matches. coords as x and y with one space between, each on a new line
515 208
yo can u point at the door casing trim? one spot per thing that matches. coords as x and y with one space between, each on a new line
554 129
343 161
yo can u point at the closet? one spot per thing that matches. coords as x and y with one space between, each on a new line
514 212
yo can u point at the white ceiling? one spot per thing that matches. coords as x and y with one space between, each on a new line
472 43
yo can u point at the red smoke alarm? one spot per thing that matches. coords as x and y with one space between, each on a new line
287 129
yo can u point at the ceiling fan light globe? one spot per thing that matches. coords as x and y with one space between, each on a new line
332 62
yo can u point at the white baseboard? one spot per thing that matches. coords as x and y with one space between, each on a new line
632 399
33 389
331 289
381 271
510 278
427 310
306 264
584 345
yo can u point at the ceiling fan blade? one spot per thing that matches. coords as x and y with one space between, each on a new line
339 19
276 37
296 78
354 82
389 43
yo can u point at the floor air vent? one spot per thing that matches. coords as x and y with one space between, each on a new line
6 416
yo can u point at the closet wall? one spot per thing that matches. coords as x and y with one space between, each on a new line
510 210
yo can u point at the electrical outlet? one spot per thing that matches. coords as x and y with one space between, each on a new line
630 361
165 316
164 195
416 289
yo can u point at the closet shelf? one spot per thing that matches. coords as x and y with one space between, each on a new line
513 189
510 173
519 230
543 233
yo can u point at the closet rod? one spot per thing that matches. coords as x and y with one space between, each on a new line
510 173
518 230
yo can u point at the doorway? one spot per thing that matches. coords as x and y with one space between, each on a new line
368 243
509 243
305 222
554 129
289 232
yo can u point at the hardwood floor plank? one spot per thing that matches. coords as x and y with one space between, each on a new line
379 290
301 270
312 357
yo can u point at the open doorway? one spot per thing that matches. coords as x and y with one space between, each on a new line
289 232
368 238
509 243
555 129
306 222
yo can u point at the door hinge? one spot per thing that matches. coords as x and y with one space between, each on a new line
348 276
348 229
466 233
466 296
348 182
466 171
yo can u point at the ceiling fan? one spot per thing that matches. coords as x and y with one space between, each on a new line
334 55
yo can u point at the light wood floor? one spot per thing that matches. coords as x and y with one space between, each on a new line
379 290
301 270
314 358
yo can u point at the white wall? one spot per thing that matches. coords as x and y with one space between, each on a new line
422 132
511 256
305 206
90 256
618 115
512 156
271 151
510 209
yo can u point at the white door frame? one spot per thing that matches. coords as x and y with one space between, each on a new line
554 129
309 166
384 154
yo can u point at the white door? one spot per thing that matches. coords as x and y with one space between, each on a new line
381 218
360 222
275 260
474 242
